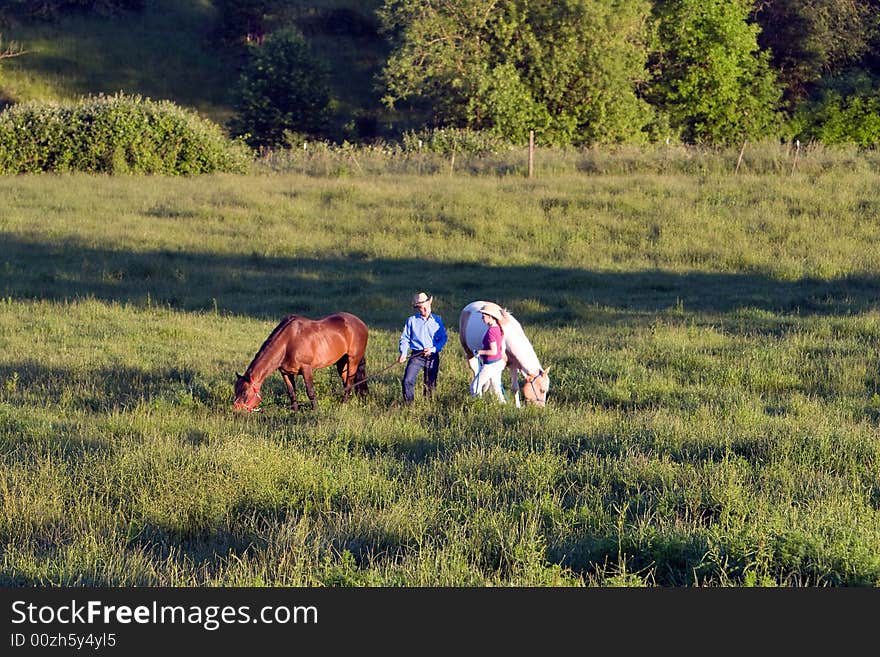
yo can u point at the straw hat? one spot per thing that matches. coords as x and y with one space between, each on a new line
492 309
421 298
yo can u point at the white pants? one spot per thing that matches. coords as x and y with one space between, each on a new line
489 375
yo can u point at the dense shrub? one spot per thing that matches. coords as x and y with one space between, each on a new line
283 88
845 111
115 134
710 80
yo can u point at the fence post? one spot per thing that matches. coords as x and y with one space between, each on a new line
796 151
740 159
531 152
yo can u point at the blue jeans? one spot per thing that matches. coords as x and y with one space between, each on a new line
431 365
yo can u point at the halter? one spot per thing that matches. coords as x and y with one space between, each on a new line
530 379
245 405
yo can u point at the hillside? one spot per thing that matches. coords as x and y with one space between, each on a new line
169 51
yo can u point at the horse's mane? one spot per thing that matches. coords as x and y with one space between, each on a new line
520 346
282 325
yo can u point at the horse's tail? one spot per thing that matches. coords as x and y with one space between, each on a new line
360 376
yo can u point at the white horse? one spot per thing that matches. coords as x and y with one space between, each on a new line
521 357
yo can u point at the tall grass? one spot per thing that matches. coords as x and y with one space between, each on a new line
413 155
713 416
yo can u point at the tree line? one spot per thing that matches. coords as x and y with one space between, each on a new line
623 71
576 72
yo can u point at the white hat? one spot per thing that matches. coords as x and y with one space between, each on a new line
421 298
492 309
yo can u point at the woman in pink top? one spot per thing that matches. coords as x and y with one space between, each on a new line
492 356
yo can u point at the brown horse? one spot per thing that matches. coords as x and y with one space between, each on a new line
299 345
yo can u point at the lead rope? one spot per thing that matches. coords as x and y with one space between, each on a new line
382 371
531 382
364 380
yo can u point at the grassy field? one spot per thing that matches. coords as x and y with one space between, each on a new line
712 421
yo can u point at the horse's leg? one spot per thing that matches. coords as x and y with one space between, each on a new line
354 371
310 385
342 368
514 383
350 367
291 389
360 377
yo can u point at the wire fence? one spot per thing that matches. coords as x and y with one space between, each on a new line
332 160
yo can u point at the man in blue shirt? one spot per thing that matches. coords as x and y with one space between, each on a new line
425 335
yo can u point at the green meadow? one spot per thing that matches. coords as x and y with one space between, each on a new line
713 339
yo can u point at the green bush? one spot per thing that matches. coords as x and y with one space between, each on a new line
845 111
712 82
115 134
283 88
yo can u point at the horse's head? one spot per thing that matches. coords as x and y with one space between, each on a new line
247 394
536 388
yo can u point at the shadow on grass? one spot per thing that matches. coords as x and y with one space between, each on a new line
378 290
104 389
